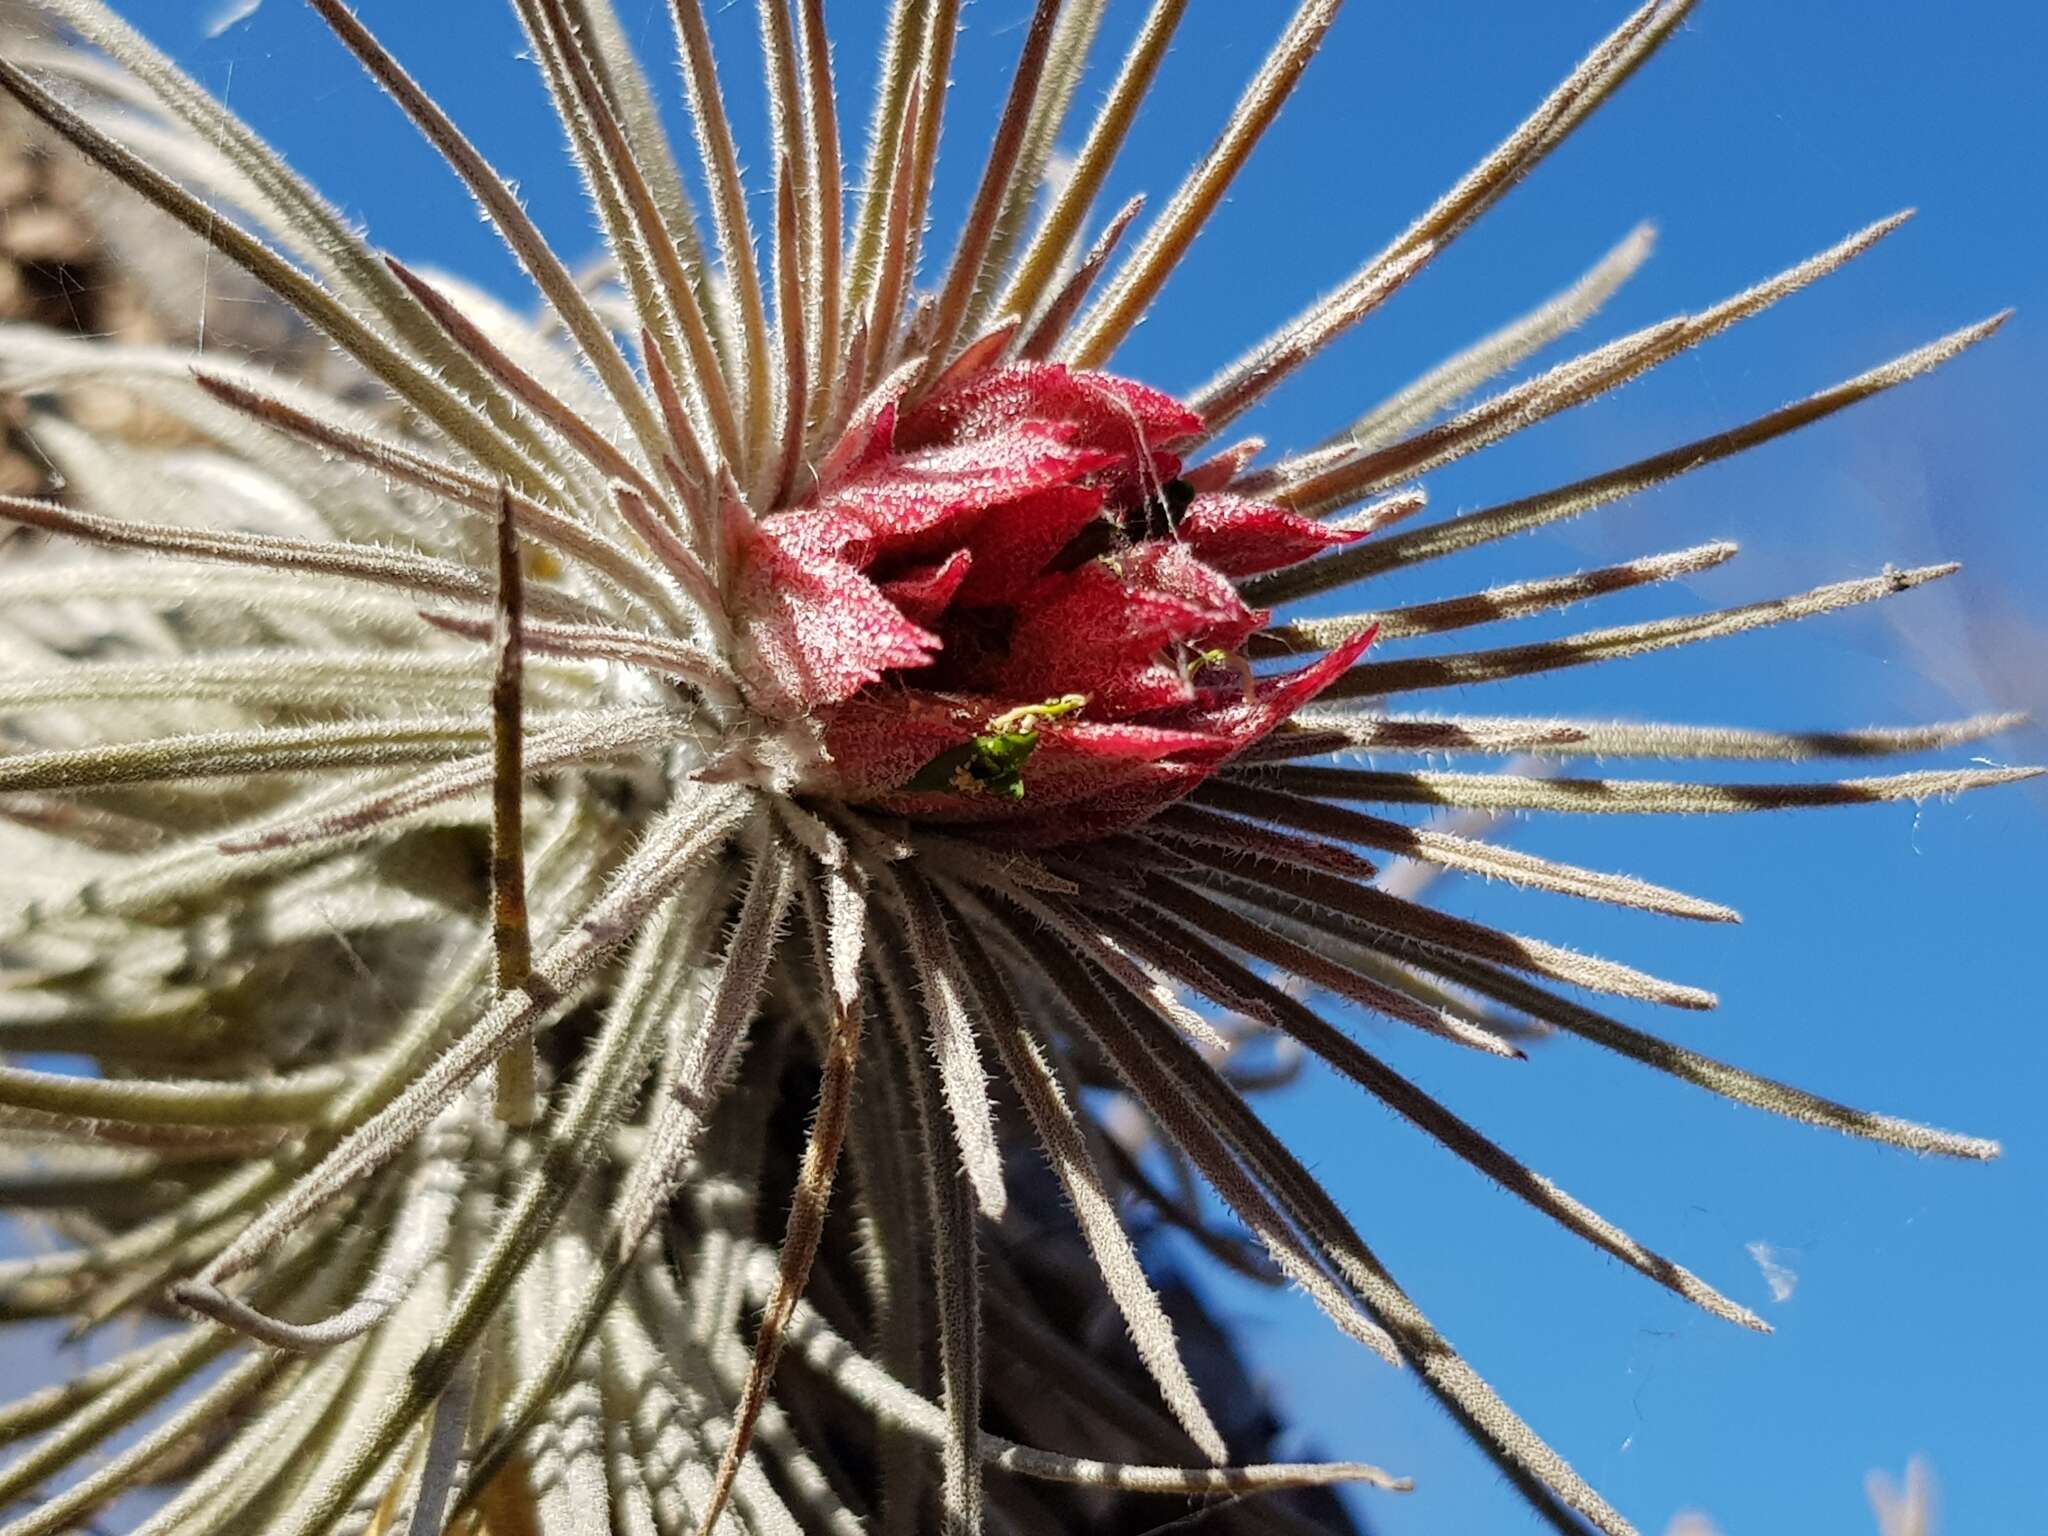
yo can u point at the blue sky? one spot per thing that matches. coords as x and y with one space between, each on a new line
1889 955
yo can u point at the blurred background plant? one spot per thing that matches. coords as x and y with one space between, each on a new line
1901 1509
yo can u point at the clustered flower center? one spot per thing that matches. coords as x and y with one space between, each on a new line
1014 598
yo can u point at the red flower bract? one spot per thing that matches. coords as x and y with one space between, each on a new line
1017 552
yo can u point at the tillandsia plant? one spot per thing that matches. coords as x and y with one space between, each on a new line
789 704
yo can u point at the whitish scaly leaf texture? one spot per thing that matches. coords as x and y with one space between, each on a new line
661 894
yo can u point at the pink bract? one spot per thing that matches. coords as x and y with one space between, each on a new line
1018 537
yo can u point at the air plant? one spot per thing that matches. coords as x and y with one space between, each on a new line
479 784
